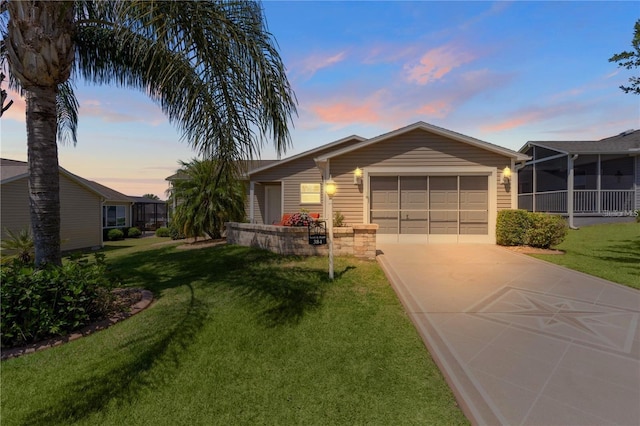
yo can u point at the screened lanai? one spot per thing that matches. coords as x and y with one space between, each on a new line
582 178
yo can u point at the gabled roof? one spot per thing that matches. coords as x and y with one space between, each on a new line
14 170
11 170
624 143
421 125
145 200
336 144
248 165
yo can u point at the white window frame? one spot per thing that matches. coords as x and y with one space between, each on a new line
311 193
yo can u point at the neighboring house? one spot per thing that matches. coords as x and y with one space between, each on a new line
420 183
588 181
86 207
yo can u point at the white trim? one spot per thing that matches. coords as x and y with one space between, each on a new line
514 185
421 125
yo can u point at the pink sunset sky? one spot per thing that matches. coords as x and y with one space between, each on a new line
503 72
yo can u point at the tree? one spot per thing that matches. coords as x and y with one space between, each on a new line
151 196
208 196
629 60
212 66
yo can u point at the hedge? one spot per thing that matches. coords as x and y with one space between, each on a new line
521 227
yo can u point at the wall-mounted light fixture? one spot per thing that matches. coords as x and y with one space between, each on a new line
357 176
506 175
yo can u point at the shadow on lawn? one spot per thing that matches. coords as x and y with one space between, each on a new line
125 381
280 293
627 251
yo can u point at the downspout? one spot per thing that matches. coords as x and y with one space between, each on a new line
104 200
252 186
571 159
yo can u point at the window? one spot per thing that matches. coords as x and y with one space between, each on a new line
310 193
114 216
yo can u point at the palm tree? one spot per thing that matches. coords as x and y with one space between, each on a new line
208 195
212 66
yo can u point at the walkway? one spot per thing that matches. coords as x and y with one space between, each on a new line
522 341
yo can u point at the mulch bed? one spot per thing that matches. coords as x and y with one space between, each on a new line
533 250
135 298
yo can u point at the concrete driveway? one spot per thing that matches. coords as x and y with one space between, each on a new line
522 341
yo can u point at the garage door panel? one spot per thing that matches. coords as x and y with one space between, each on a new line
413 223
387 222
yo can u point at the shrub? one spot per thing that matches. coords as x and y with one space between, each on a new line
546 230
338 219
134 232
175 232
637 213
520 227
512 226
163 232
42 303
19 245
115 235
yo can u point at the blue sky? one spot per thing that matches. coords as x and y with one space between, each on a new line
503 72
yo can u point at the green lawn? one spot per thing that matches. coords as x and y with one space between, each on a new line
609 251
238 336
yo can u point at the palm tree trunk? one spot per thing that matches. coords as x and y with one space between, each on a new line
44 177
40 51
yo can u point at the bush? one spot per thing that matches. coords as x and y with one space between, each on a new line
546 230
163 232
115 235
520 227
176 234
338 219
41 303
18 245
512 226
134 232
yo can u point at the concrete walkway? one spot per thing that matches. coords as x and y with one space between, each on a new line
522 341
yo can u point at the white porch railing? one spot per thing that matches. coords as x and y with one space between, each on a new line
584 201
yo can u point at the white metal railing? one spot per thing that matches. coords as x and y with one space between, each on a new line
615 200
551 201
584 201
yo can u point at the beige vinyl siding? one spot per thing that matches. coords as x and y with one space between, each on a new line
14 208
417 148
80 216
80 213
291 174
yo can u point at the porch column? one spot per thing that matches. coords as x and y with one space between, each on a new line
599 186
252 185
570 160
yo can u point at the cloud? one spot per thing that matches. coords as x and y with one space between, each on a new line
312 64
534 114
348 112
437 63
143 113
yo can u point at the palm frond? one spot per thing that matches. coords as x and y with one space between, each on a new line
211 66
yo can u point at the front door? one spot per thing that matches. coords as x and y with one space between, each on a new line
273 204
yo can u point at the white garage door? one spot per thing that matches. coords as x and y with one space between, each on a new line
429 208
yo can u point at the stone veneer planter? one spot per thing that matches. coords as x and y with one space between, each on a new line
355 240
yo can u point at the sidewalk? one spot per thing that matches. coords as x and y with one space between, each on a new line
522 341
